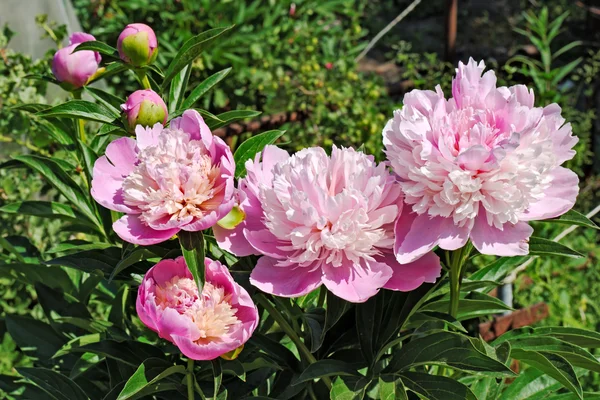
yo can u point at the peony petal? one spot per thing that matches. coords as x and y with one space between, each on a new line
122 154
146 136
131 229
407 277
107 187
356 283
234 241
284 281
266 243
172 323
512 240
416 235
201 352
167 269
558 198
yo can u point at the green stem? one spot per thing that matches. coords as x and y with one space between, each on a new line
322 296
283 324
143 78
457 260
190 379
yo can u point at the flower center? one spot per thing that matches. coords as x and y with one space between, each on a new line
178 293
174 181
213 313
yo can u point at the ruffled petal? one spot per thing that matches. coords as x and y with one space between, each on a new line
356 283
284 281
558 198
131 229
512 240
407 277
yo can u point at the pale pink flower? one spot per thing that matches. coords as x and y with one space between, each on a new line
180 177
479 166
204 327
322 220
76 67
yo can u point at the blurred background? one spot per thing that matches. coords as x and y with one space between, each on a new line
327 71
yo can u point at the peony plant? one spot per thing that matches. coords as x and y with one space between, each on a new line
202 272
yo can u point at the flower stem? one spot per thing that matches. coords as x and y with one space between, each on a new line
143 78
190 379
283 324
457 260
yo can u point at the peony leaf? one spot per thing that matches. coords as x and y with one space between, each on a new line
138 385
435 387
230 116
572 217
190 50
323 368
248 150
55 384
204 87
97 46
178 88
192 247
81 109
393 390
541 246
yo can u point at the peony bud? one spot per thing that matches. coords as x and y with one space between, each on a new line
74 69
137 45
144 107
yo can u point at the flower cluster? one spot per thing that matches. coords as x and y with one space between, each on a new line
475 167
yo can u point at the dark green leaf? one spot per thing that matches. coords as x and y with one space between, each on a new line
108 100
572 217
324 368
248 150
192 247
230 116
178 87
435 387
392 390
139 386
95 45
552 364
55 384
367 323
421 317
81 109
497 270
129 352
445 348
204 87
474 305
190 50
46 209
541 246
34 337
580 337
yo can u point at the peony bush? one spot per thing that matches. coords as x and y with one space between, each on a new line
196 271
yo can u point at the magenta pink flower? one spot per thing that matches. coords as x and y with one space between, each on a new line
479 166
204 326
168 179
75 68
144 107
322 220
137 45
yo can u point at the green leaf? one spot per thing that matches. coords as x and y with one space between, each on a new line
231 116
531 382
572 217
445 348
31 274
567 47
541 246
329 367
552 364
421 317
435 387
100 47
497 270
248 150
368 319
217 376
108 100
78 342
190 50
35 338
138 385
204 87
81 109
565 70
577 336
58 178
178 87
45 209
336 308
392 390
192 247
474 305
129 352
55 384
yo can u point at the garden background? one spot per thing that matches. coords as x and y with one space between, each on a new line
299 66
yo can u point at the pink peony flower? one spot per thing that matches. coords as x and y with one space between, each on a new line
322 220
203 327
75 68
144 107
479 166
137 45
168 179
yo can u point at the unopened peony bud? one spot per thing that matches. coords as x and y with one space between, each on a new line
74 69
144 107
137 45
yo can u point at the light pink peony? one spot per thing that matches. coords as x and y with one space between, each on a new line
479 166
144 107
322 220
75 68
180 177
203 327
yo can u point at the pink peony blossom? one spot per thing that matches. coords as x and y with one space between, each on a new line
137 45
322 220
75 68
144 107
203 327
479 166
180 177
